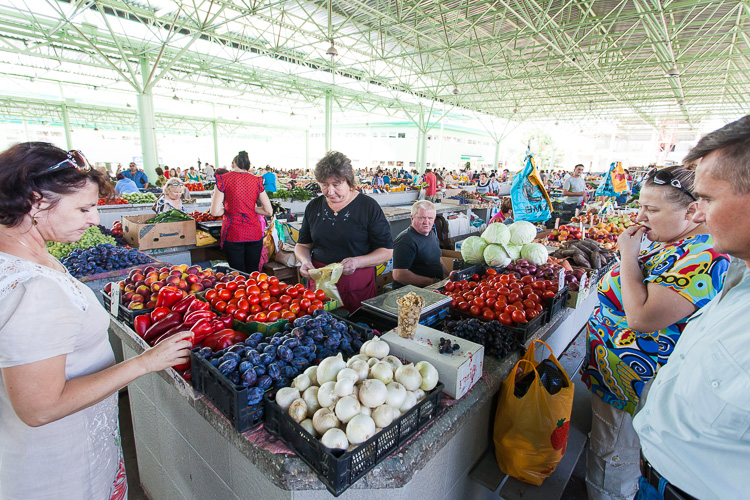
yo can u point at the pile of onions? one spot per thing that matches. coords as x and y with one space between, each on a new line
548 271
346 403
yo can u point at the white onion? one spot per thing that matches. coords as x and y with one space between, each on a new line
384 415
335 439
393 361
347 408
372 393
355 358
298 410
383 372
360 429
327 394
329 368
372 362
377 348
365 411
419 394
344 387
285 396
308 426
348 373
409 402
301 382
361 368
396 394
409 377
311 399
429 375
324 419
312 373
363 349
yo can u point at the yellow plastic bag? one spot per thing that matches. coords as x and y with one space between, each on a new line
326 278
531 432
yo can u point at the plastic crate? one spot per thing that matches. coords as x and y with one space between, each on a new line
338 470
213 228
124 314
230 399
555 305
523 331
466 273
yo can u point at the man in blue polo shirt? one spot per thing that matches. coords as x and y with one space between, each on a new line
137 176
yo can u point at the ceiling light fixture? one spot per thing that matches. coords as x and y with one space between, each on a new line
455 90
672 72
175 98
332 50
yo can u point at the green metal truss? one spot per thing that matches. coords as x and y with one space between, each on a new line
641 63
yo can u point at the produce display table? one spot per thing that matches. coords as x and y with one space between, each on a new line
187 449
108 214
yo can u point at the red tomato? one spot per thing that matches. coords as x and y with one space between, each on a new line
501 299
503 291
250 283
479 302
491 272
316 303
513 297
492 294
273 316
253 299
239 293
254 275
549 294
519 316
538 285
240 315
488 315
454 302
264 296
285 299
315 306
516 286
534 297
529 304
274 290
253 290
450 286
220 306
243 305
475 277
505 318
294 308
463 305
490 303
471 284
539 307
233 302
475 310
320 295
531 313
225 294
232 286
527 290
499 308
305 303
231 308
288 315
263 285
292 292
261 317
211 294
275 307
255 309
262 277
220 286
527 279
273 280
309 295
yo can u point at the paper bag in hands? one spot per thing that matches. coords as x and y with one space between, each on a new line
326 278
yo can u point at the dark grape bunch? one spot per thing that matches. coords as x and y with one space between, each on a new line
497 341
102 258
445 346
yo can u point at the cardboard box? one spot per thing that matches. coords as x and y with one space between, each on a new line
144 236
448 256
381 280
458 371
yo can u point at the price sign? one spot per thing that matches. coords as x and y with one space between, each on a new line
561 278
557 223
582 283
114 296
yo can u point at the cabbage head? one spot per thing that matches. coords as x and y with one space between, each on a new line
496 256
472 250
497 233
522 232
536 253
513 251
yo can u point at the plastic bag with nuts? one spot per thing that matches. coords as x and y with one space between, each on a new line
409 311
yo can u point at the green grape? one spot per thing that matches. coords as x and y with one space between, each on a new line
91 237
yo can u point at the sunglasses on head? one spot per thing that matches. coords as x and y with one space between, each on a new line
664 177
75 160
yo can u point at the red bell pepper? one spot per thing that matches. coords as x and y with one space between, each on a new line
198 305
186 373
168 296
228 320
230 340
168 322
211 340
217 325
158 313
193 317
182 306
201 330
141 324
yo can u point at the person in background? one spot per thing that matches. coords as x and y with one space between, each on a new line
431 189
693 427
125 185
644 304
378 179
161 179
346 227
386 180
59 382
494 184
174 190
180 173
483 184
269 180
416 251
193 175
505 215
138 176
209 171
220 171
574 188
236 198
173 173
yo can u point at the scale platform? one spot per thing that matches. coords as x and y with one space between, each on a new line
384 307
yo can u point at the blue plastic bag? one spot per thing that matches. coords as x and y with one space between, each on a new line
530 200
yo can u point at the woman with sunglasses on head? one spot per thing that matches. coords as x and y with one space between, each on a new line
171 198
344 226
58 378
239 197
644 304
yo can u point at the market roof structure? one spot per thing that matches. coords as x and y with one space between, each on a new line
643 63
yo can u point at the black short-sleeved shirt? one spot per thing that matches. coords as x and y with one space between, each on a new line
417 253
358 229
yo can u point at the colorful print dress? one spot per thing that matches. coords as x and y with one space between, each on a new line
619 361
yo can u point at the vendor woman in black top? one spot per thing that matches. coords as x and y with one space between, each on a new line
416 251
344 226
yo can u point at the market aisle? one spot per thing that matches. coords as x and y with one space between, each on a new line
135 492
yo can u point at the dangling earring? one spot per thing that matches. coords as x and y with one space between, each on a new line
33 221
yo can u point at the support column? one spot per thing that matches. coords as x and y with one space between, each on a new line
421 151
497 155
307 149
147 128
329 121
66 125
215 129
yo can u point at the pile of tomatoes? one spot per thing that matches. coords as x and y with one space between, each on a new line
264 299
503 297
194 186
112 201
203 216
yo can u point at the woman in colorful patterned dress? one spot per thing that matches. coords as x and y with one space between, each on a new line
59 432
236 197
644 304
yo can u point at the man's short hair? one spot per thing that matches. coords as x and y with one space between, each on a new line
579 165
732 141
425 205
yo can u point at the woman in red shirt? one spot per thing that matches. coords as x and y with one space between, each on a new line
236 196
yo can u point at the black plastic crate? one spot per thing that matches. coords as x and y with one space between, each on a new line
467 273
338 470
124 314
556 304
230 399
523 331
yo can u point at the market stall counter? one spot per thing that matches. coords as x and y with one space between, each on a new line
187 449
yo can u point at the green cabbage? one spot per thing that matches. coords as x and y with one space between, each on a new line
472 250
496 232
522 232
535 253
495 256
513 251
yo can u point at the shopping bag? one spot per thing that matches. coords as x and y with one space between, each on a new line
531 431
269 242
285 255
326 278
614 181
528 195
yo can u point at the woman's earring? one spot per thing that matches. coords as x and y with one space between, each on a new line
33 221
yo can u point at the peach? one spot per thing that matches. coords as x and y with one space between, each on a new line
196 287
135 305
137 298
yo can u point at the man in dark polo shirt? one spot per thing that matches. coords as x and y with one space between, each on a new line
416 251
